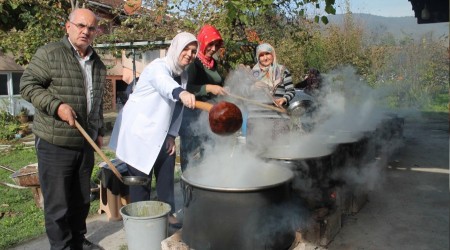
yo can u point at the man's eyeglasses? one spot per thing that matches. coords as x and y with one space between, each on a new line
83 26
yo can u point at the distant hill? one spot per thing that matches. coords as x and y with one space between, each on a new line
399 27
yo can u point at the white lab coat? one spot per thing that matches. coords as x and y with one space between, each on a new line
145 120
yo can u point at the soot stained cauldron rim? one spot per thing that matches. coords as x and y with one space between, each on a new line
328 148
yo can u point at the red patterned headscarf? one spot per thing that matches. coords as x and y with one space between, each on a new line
207 35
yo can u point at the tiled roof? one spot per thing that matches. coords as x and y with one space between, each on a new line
8 64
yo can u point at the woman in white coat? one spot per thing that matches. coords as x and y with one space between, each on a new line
145 130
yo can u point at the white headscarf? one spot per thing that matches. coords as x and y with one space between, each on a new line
272 74
178 44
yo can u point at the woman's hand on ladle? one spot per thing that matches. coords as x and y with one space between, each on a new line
187 99
280 101
216 89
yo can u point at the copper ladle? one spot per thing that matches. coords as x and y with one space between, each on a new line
224 117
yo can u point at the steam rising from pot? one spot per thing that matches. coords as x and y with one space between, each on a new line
346 110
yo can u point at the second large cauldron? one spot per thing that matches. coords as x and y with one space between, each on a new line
312 167
250 215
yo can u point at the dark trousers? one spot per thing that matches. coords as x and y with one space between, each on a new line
163 169
191 141
64 175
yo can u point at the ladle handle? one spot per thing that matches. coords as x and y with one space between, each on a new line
203 105
99 151
281 110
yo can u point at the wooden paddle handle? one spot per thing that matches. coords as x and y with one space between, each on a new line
203 105
281 110
99 151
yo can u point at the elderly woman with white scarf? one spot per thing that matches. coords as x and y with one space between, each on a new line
145 130
272 77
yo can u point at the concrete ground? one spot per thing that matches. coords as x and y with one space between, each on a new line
411 208
408 210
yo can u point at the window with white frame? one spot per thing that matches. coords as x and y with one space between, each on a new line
10 83
16 82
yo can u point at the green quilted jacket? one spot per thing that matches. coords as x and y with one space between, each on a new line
53 77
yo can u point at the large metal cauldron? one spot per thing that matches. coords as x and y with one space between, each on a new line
312 166
243 217
350 148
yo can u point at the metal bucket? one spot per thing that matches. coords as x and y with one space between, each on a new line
146 224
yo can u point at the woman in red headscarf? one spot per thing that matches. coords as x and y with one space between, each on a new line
205 82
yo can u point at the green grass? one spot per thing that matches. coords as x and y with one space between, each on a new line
439 104
20 218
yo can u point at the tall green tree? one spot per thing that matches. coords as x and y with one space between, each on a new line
42 21
28 24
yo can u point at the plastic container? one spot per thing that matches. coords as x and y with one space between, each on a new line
146 224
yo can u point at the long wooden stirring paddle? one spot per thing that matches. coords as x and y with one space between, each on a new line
281 110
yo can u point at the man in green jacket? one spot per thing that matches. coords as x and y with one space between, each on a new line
65 82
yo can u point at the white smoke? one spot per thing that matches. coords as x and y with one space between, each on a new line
347 110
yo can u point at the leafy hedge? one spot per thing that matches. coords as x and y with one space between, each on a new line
9 125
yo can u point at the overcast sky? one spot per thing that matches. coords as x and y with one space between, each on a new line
388 8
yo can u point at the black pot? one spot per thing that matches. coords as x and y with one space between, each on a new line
313 170
246 217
